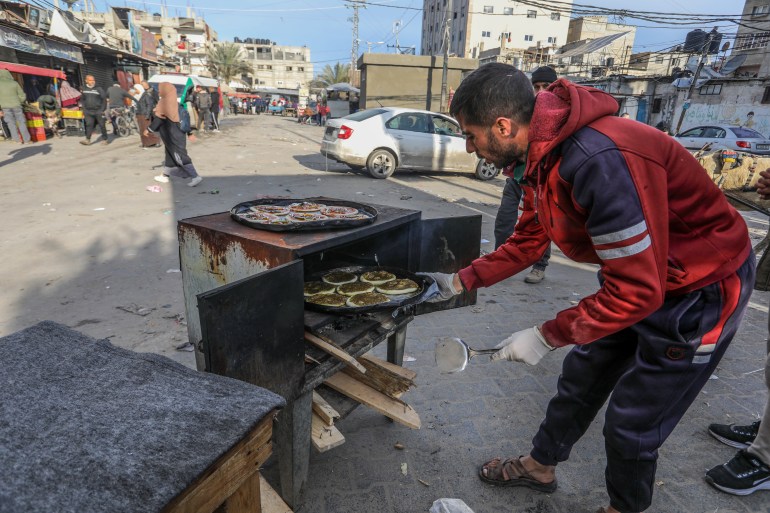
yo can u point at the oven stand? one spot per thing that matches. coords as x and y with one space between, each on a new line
292 433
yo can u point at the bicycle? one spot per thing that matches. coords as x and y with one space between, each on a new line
125 120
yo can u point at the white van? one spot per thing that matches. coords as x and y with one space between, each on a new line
180 81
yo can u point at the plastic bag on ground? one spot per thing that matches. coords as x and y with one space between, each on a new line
450 506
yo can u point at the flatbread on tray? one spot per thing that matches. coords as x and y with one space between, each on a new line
367 299
396 287
357 287
377 277
318 287
339 277
335 300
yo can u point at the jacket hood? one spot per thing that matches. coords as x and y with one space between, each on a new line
5 75
561 111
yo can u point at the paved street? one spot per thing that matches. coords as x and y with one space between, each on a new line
85 244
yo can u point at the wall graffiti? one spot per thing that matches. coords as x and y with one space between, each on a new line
751 116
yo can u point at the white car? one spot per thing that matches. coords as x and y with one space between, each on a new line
389 138
722 137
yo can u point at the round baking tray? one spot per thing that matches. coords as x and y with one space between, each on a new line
396 301
370 212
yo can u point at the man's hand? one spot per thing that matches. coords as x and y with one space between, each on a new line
447 286
528 346
763 184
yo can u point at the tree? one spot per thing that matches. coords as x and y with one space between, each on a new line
225 62
333 75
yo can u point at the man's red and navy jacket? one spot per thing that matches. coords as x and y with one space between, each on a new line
620 194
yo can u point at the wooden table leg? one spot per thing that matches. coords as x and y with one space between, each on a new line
396 343
291 445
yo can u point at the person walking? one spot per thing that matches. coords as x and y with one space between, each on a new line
165 122
203 106
508 213
749 470
676 272
94 104
144 105
11 98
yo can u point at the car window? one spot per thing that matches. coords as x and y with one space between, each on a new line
443 126
710 133
693 132
719 133
362 115
746 133
409 121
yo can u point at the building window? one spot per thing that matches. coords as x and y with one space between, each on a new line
531 14
657 103
658 59
300 68
529 38
760 10
460 37
710 89
766 96
552 40
675 62
488 9
260 66
507 10
751 41
288 68
485 33
269 66
555 16
455 16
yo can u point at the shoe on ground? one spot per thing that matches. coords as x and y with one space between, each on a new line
195 181
160 178
742 475
85 142
733 435
105 142
535 276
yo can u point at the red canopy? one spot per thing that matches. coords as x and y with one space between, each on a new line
32 70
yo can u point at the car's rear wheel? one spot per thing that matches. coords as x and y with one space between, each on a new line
381 164
485 170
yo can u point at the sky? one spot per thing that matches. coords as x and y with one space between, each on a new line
325 27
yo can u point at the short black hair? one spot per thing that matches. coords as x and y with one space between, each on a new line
494 90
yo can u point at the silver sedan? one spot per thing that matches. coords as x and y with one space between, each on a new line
725 137
389 138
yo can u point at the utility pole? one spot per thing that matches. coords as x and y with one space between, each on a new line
686 104
447 41
355 5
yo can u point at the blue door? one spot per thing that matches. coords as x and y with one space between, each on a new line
641 110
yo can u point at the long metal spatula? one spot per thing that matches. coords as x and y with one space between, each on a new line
452 354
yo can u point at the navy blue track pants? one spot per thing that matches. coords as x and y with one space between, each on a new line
651 372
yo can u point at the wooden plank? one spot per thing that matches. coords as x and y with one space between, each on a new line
364 394
271 501
382 377
228 473
324 437
392 367
324 409
246 499
334 351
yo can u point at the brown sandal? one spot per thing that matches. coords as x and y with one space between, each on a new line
511 472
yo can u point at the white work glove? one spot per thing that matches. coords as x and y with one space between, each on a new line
528 346
444 287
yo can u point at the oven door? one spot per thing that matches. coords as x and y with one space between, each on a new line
253 329
447 245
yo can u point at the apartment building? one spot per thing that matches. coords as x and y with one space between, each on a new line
484 25
647 64
595 47
276 66
752 39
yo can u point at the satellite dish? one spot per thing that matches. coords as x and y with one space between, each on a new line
726 46
733 64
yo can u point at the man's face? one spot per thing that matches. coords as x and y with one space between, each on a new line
90 81
540 86
501 144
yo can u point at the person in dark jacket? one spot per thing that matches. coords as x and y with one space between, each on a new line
144 105
508 213
51 112
94 104
214 108
675 260
115 100
165 122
